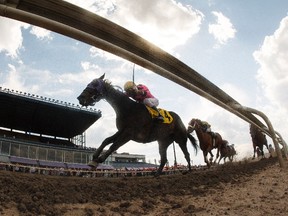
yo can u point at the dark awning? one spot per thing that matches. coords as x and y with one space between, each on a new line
30 113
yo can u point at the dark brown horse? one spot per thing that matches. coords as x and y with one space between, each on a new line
258 139
227 151
207 142
134 122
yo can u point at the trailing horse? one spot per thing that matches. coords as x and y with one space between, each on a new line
207 142
227 150
258 139
134 122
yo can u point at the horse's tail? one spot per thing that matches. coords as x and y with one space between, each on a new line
193 141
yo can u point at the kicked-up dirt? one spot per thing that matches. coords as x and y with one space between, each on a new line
239 188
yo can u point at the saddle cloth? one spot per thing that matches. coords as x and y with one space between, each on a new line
166 115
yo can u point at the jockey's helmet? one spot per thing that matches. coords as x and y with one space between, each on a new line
129 86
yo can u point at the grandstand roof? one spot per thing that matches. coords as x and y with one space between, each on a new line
34 114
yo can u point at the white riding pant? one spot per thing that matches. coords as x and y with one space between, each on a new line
151 102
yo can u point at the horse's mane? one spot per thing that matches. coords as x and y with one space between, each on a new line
113 88
108 85
117 93
196 120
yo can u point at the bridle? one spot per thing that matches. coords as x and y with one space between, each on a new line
97 87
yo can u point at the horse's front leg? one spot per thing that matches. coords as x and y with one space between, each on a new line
211 156
217 154
107 141
262 153
118 141
221 159
205 153
254 152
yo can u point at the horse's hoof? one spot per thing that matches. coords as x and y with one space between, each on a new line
93 164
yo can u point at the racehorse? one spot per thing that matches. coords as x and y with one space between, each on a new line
258 140
207 142
134 122
227 150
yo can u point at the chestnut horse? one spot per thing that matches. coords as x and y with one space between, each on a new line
207 142
258 139
134 122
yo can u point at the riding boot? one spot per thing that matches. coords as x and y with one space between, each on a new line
159 117
213 135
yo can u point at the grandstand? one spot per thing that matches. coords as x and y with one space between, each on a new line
45 132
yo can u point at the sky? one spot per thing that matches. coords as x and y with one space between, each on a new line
240 46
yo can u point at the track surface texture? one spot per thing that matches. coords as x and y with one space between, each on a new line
239 188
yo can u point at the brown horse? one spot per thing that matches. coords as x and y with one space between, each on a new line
134 122
227 151
258 140
207 141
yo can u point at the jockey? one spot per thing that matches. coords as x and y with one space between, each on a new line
207 128
141 94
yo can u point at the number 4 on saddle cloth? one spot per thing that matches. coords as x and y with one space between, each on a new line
166 115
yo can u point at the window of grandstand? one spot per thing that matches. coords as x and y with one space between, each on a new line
69 156
5 148
32 152
15 149
42 154
51 154
59 155
24 151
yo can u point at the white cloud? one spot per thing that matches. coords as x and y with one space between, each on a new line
100 7
88 65
273 77
237 93
272 58
13 79
95 52
223 30
41 33
11 36
165 23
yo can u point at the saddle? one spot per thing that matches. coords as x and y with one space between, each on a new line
166 115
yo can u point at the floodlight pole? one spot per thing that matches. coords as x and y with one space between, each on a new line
271 130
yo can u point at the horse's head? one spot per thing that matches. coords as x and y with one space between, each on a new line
93 92
193 124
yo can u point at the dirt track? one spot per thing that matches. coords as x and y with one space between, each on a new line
241 188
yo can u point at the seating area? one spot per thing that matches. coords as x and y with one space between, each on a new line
54 164
133 165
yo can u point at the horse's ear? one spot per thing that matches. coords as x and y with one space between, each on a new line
102 77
